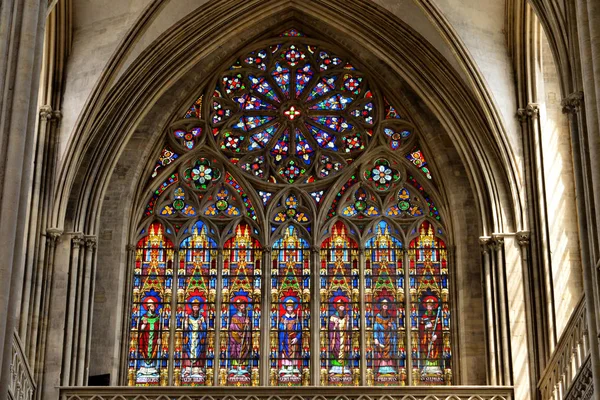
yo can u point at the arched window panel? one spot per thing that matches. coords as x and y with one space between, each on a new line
290 334
429 308
240 309
194 351
385 308
151 313
340 309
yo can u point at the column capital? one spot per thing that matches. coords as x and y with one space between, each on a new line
523 238
90 242
77 240
130 247
484 242
572 103
49 114
53 235
531 111
496 242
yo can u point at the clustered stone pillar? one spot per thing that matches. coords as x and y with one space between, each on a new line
496 313
21 40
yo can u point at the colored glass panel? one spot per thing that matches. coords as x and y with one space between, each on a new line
151 310
195 324
418 159
240 310
340 309
429 309
385 309
195 111
290 311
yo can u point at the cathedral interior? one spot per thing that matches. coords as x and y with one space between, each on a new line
299 199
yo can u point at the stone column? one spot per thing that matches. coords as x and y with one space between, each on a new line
574 106
492 356
21 39
76 242
499 273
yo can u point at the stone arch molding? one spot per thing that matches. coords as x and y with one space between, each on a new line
111 117
120 128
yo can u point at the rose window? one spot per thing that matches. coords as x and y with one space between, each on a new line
292 112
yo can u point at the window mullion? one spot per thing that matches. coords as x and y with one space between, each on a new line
363 339
408 317
218 302
315 322
173 322
265 345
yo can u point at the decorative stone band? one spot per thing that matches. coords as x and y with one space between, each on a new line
21 386
296 393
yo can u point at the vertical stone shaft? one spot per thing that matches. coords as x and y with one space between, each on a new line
21 39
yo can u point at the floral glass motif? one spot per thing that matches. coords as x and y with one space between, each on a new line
382 175
290 104
405 206
289 210
151 310
360 205
188 138
178 206
340 310
418 159
166 157
396 136
195 318
290 311
240 310
430 309
221 206
201 174
385 309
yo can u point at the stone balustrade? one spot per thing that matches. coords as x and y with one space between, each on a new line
21 386
284 393
568 358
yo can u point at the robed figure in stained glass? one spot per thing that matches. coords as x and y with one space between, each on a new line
149 341
239 338
430 334
385 338
290 339
339 337
195 328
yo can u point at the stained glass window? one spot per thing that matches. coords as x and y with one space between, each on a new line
385 308
196 292
429 309
151 309
240 310
340 309
290 310
294 142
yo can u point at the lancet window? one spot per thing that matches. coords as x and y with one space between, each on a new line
290 234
